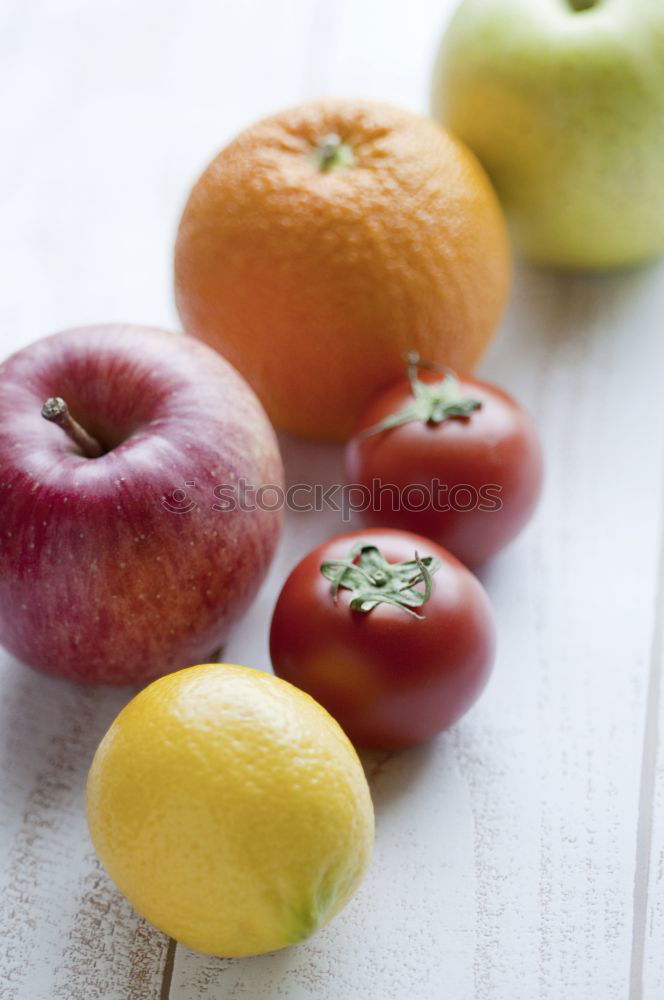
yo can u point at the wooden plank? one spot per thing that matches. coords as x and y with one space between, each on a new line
380 50
66 932
647 981
595 558
120 107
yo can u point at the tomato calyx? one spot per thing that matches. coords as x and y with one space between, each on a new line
433 402
372 580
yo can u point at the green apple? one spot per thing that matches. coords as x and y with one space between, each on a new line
563 102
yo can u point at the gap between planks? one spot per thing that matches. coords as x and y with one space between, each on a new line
167 975
644 834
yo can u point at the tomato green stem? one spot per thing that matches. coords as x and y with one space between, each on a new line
372 580
433 402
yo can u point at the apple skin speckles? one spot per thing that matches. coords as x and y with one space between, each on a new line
101 582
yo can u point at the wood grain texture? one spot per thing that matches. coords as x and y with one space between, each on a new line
648 933
519 857
67 934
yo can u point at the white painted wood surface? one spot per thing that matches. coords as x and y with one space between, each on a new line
520 856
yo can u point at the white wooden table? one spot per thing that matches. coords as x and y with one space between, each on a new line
521 856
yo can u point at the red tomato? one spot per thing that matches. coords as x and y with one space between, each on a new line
392 674
468 476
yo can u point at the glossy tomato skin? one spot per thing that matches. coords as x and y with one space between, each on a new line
490 461
390 680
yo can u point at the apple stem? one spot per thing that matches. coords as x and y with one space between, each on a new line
56 410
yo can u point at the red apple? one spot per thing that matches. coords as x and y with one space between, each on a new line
118 568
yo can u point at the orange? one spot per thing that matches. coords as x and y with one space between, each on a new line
326 242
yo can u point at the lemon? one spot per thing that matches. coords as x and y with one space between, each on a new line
230 809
